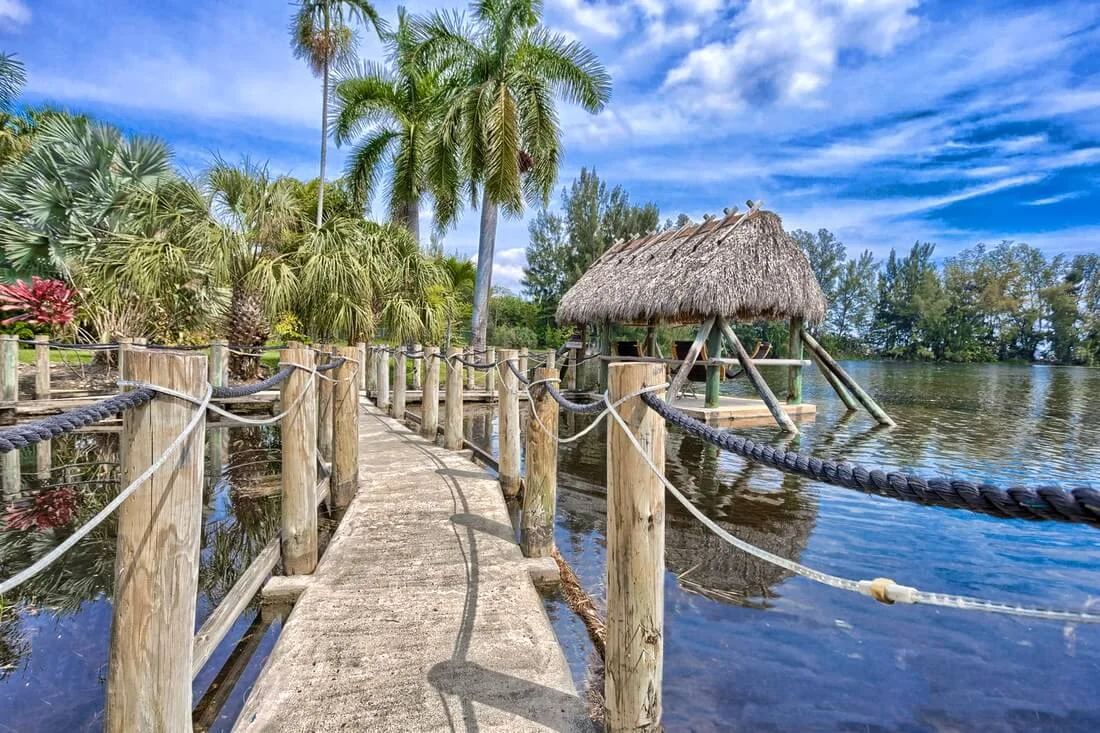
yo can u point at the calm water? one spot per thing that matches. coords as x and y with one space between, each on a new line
55 629
748 647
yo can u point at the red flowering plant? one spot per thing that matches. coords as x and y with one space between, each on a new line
43 304
47 509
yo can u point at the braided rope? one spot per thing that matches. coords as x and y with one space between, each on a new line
19 436
1080 504
334 364
481 366
244 390
515 370
581 407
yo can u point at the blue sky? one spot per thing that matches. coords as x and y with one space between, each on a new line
885 121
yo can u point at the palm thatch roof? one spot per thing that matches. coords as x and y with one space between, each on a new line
744 267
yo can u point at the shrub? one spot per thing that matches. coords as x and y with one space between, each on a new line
46 305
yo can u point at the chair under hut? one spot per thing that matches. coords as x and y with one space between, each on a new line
743 267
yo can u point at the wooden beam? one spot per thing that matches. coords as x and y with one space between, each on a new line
681 376
714 372
781 418
827 361
794 374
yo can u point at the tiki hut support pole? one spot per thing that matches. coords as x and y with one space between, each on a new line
844 395
829 363
649 347
604 334
635 555
714 371
571 371
452 425
345 428
42 367
794 373
417 365
541 488
429 400
693 354
508 425
758 383
400 375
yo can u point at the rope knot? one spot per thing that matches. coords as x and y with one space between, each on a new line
879 588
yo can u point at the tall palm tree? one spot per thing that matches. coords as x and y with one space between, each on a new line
13 75
500 121
395 110
320 34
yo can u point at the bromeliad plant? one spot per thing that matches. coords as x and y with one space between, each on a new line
43 304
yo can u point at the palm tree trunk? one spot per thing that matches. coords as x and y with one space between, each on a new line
324 142
479 324
412 212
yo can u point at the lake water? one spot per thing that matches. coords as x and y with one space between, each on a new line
748 647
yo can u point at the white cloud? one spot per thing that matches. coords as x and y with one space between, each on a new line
1056 199
605 20
14 12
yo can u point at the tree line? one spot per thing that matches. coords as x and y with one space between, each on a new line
1009 302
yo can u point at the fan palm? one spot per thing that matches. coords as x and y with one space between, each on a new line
13 75
320 35
395 110
500 123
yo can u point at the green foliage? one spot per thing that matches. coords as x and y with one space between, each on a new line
13 75
288 327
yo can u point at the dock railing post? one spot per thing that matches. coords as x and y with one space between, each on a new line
125 343
635 554
540 492
471 373
345 428
551 359
362 347
400 375
571 371
11 480
157 560
417 365
371 370
452 425
491 372
508 425
299 483
523 358
324 404
382 398
429 400
218 366
42 367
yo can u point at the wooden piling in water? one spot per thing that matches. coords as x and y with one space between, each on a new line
299 480
429 400
452 424
157 560
382 400
540 491
781 417
345 428
635 555
324 404
794 373
400 375
417 367
508 425
42 367
826 360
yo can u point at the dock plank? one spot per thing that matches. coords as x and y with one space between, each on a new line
421 615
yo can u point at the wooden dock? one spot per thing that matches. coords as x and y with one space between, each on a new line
741 412
421 614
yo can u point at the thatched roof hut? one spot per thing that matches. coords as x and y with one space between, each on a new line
742 267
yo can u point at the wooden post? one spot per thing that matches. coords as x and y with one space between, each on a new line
490 373
714 371
371 371
429 401
603 334
794 373
844 395
508 426
417 365
9 368
758 383
345 428
523 354
140 341
125 343
324 405
452 425
635 555
540 492
157 560
826 360
551 360
42 367
219 363
471 373
382 398
400 375
299 431
43 455
571 371
681 375
363 365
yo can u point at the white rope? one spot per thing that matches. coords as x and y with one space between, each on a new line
599 417
881 589
48 559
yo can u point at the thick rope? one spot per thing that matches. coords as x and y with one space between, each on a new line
883 590
1081 504
48 559
244 390
19 436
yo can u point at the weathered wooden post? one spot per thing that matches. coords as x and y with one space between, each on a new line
508 425
491 372
382 400
794 373
299 432
42 367
551 360
324 403
471 373
571 371
371 371
416 367
43 455
429 400
452 425
362 347
603 332
157 560
825 359
540 492
141 341
345 428
125 343
400 375
218 365
635 555
523 354
758 382
714 371
9 368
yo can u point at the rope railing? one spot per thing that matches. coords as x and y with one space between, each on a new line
19 436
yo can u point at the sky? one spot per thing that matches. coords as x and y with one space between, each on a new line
884 121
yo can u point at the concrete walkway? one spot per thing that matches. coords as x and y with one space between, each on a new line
421 615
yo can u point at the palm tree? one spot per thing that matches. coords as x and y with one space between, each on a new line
461 279
500 121
13 75
395 109
320 35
